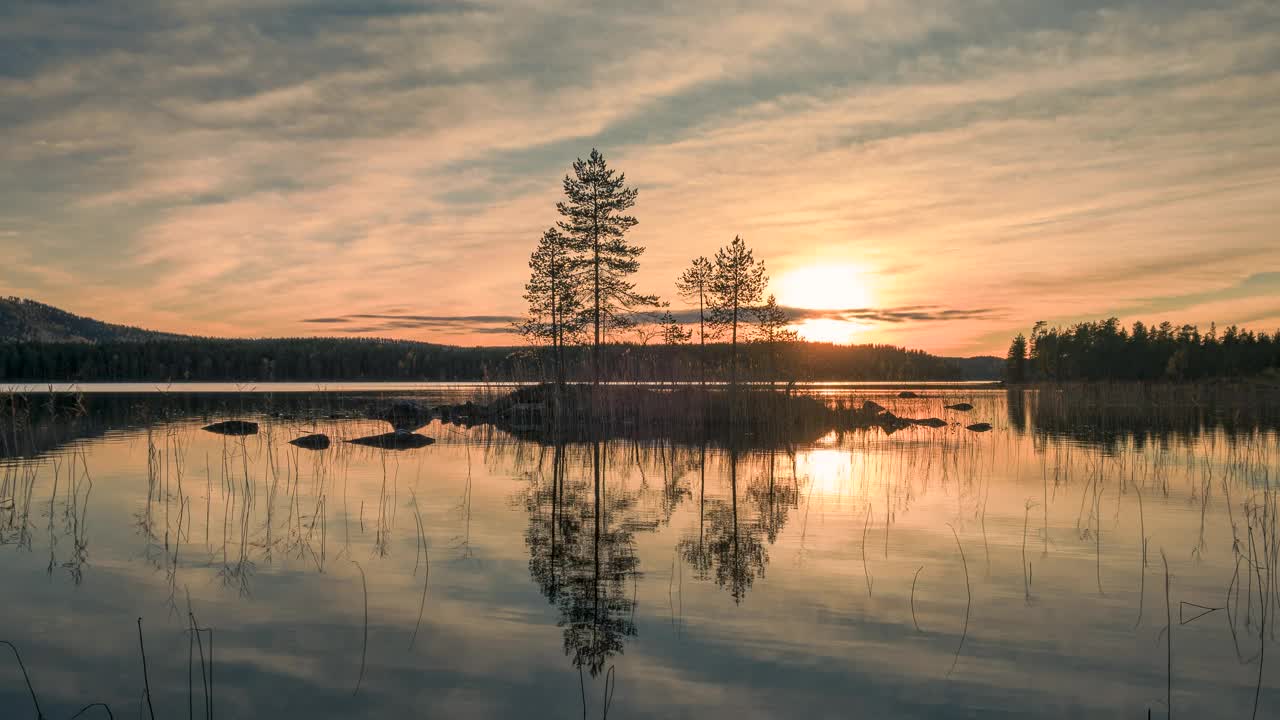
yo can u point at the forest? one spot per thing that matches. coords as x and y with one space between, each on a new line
1106 350
333 359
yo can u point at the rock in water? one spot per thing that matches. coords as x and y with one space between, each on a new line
963 407
394 441
406 415
319 441
233 427
907 395
979 427
871 407
930 422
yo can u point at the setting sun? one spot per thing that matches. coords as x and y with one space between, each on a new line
825 287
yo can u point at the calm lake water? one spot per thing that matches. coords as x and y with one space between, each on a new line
926 573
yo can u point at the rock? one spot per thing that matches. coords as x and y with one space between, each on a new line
907 395
406 415
394 441
871 407
962 407
930 422
233 427
979 427
319 441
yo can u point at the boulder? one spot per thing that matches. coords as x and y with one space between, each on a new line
394 441
233 427
318 441
406 415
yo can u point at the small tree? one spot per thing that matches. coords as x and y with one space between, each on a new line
736 285
771 323
554 293
694 284
1015 364
771 331
673 333
595 223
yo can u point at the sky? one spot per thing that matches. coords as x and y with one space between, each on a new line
938 175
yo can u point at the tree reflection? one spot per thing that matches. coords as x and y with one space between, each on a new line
582 557
729 546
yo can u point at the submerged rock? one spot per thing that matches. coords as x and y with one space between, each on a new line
318 441
907 395
930 422
979 427
961 406
233 427
394 441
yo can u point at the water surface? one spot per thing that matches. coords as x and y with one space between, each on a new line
927 573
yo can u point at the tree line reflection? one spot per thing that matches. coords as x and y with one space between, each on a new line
583 525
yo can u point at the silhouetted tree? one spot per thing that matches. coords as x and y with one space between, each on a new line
554 294
595 223
771 323
736 286
1015 364
771 330
694 284
673 333
1106 351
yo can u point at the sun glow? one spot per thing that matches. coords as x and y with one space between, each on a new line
825 287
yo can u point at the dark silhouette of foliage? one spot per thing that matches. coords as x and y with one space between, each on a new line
554 294
1015 367
1105 350
695 284
673 333
737 284
595 226
334 359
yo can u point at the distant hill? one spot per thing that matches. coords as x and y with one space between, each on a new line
25 320
981 367
39 342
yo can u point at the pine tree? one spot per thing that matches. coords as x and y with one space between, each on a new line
771 323
694 284
673 333
736 286
1016 361
554 293
595 224
771 330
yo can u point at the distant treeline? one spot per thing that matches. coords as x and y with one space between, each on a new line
1105 350
331 359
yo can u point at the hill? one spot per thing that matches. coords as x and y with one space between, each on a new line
30 321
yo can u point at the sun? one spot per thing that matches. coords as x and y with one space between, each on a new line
824 287
830 286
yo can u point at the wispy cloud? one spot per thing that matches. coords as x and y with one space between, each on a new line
229 167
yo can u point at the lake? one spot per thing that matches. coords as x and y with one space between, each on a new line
1059 565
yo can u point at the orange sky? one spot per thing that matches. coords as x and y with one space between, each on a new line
968 168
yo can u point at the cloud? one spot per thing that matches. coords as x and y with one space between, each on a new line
390 323
229 167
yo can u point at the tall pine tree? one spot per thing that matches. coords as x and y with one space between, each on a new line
595 224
